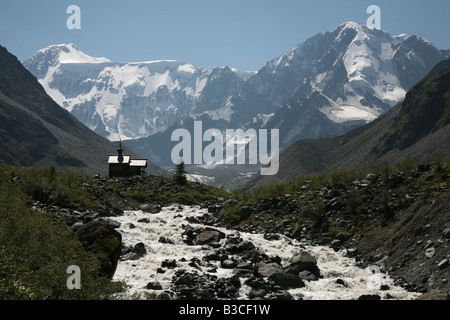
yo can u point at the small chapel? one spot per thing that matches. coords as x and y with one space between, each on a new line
121 165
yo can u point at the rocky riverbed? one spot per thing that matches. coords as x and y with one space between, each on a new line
171 254
399 223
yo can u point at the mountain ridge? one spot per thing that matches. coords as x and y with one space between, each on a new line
418 130
341 64
326 88
130 100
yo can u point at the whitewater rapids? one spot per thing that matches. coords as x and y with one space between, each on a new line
169 223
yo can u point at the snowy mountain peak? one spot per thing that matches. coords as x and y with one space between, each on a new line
51 57
333 81
130 100
351 25
329 83
69 53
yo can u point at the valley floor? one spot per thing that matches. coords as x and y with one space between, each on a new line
396 219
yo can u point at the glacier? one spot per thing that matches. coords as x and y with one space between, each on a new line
127 100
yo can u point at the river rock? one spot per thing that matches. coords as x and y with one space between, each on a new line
154 285
341 282
271 236
301 262
257 293
246 246
190 233
255 282
151 208
224 288
164 296
111 222
335 244
208 236
193 286
114 212
369 297
169 263
264 269
134 253
287 280
308 276
282 295
228 264
214 208
184 279
139 248
166 240
245 265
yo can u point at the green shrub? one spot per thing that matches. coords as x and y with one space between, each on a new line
405 165
35 252
269 190
62 197
339 177
35 189
231 213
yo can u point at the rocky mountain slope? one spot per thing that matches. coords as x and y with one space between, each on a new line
417 130
36 131
395 218
351 74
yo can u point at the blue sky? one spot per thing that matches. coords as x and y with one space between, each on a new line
208 33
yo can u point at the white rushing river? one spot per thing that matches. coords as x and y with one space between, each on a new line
169 223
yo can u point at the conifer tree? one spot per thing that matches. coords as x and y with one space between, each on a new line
180 173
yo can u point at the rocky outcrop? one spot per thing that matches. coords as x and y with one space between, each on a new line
104 242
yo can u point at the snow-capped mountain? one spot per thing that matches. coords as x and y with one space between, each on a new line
130 100
339 79
325 86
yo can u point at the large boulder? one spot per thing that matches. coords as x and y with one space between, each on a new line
151 208
209 236
264 269
102 240
286 280
303 261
